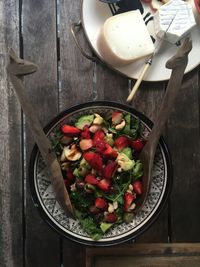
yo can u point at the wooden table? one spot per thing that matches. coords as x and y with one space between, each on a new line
66 78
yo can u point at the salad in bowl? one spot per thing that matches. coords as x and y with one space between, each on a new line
98 146
98 155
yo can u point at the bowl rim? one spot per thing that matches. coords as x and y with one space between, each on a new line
161 206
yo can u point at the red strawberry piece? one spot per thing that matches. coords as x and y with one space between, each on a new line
98 136
110 152
67 183
70 130
128 199
104 184
110 169
121 142
85 144
101 203
85 133
94 159
91 179
116 117
110 217
138 144
70 176
100 146
137 187
88 156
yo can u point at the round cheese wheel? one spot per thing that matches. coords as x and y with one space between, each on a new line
124 38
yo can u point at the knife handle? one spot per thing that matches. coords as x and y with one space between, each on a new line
139 80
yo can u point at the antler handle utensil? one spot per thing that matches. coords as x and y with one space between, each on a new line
178 64
17 68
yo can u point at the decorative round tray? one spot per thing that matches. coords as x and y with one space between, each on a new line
94 14
44 198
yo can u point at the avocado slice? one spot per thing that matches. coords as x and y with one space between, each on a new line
84 120
105 226
83 169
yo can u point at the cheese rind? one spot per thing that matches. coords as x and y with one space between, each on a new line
124 38
174 20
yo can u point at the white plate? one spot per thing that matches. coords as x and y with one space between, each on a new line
94 13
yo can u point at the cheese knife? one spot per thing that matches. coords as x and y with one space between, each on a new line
158 45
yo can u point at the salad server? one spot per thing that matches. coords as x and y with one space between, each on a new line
178 64
16 69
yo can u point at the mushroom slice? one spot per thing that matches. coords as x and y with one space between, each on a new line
72 153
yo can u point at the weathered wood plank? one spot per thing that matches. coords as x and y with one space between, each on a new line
148 98
184 142
76 86
111 85
160 254
76 72
39 34
148 261
11 178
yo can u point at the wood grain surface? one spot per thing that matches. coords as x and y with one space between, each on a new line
40 32
11 171
184 142
146 255
39 46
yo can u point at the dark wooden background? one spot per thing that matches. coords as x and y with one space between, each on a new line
65 78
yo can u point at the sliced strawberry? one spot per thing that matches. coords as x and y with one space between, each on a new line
98 136
110 152
85 133
70 130
138 144
100 146
110 217
70 176
88 156
116 117
128 199
85 144
137 187
110 169
121 142
67 183
101 203
94 159
91 179
104 184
